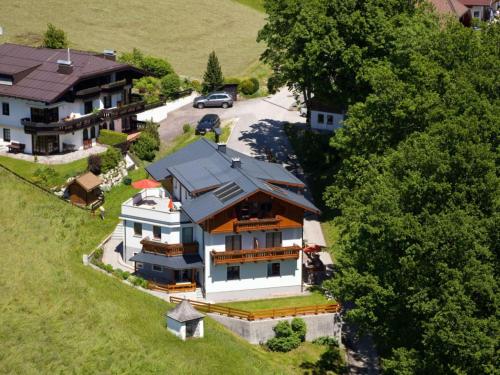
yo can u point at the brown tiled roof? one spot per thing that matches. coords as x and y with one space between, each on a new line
471 3
325 105
35 71
453 7
88 181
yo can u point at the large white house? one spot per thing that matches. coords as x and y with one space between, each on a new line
56 101
222 222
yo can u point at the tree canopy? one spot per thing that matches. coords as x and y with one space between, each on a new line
54 38
416 186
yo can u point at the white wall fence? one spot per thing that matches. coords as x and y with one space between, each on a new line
160 113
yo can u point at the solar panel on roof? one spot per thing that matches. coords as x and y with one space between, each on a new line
228 192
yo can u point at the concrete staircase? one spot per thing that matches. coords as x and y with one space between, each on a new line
119 232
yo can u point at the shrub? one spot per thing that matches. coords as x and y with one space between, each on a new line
94 164
150 87
299 328
108 268
283 329
256 84
54 38
196 85
233 80
111 138
156 67
326 340
145 147
45 176
186 128
170 85
283 344
98 254
127 180
273 84
248 86
133 58
110 159
151 129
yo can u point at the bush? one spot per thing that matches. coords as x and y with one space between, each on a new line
127 180
94 164
150 87
299 328
170 85
233 80
283 329
98 254
145 147
156 67
108 268
283 344
110 159
54 38
151 129
45 176
186 128
249 86
326 340
196 85
111 138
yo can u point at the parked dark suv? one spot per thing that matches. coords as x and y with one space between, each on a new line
207 124
214 99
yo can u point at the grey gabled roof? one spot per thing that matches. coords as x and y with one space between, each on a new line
184 312
208 204
200 165
180 262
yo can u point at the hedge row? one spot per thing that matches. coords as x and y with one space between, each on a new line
111 138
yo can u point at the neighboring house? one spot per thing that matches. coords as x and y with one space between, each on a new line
483 10
56 101
223 222
454 8
85 189
325 115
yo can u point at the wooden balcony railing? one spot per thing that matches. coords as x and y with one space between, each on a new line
261 314
256 224
169 250
173 287
256 255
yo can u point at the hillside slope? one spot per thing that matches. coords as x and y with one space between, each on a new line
184 32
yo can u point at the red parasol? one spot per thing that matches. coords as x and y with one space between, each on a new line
145 184
312 249
170 204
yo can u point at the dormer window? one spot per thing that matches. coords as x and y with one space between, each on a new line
6 80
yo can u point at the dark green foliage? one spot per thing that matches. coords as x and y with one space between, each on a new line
153 66
127 180
170 85
111 138
151 129
196 85
412 175
110 159
299 328
248 86
212 79
54 38
45 176
94 164
145 147
149 87
283 344
135 58
232 80
326 340
186 128
288 336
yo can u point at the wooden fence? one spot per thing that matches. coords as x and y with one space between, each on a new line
261 314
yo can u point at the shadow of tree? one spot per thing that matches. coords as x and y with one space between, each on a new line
330 362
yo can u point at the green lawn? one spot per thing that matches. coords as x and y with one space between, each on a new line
27 169
184 32
315 298
59 316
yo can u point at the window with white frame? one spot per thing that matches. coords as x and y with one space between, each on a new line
137 229
139 265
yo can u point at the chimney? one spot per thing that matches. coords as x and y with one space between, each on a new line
109 54
221 147
64 67
235 163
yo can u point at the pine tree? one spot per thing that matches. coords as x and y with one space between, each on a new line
212 79
55 38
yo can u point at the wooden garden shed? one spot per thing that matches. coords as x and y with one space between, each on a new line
85 189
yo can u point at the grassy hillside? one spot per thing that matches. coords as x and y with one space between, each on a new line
184 32
59 316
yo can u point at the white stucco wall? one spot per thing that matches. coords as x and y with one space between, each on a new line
338 118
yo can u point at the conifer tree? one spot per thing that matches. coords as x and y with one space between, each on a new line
55 38
212 79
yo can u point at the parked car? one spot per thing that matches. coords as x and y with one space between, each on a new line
215 99
207 124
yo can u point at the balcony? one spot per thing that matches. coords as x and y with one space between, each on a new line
256 224
97 118
256 255
169 250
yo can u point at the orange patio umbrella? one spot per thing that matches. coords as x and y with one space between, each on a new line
145 184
